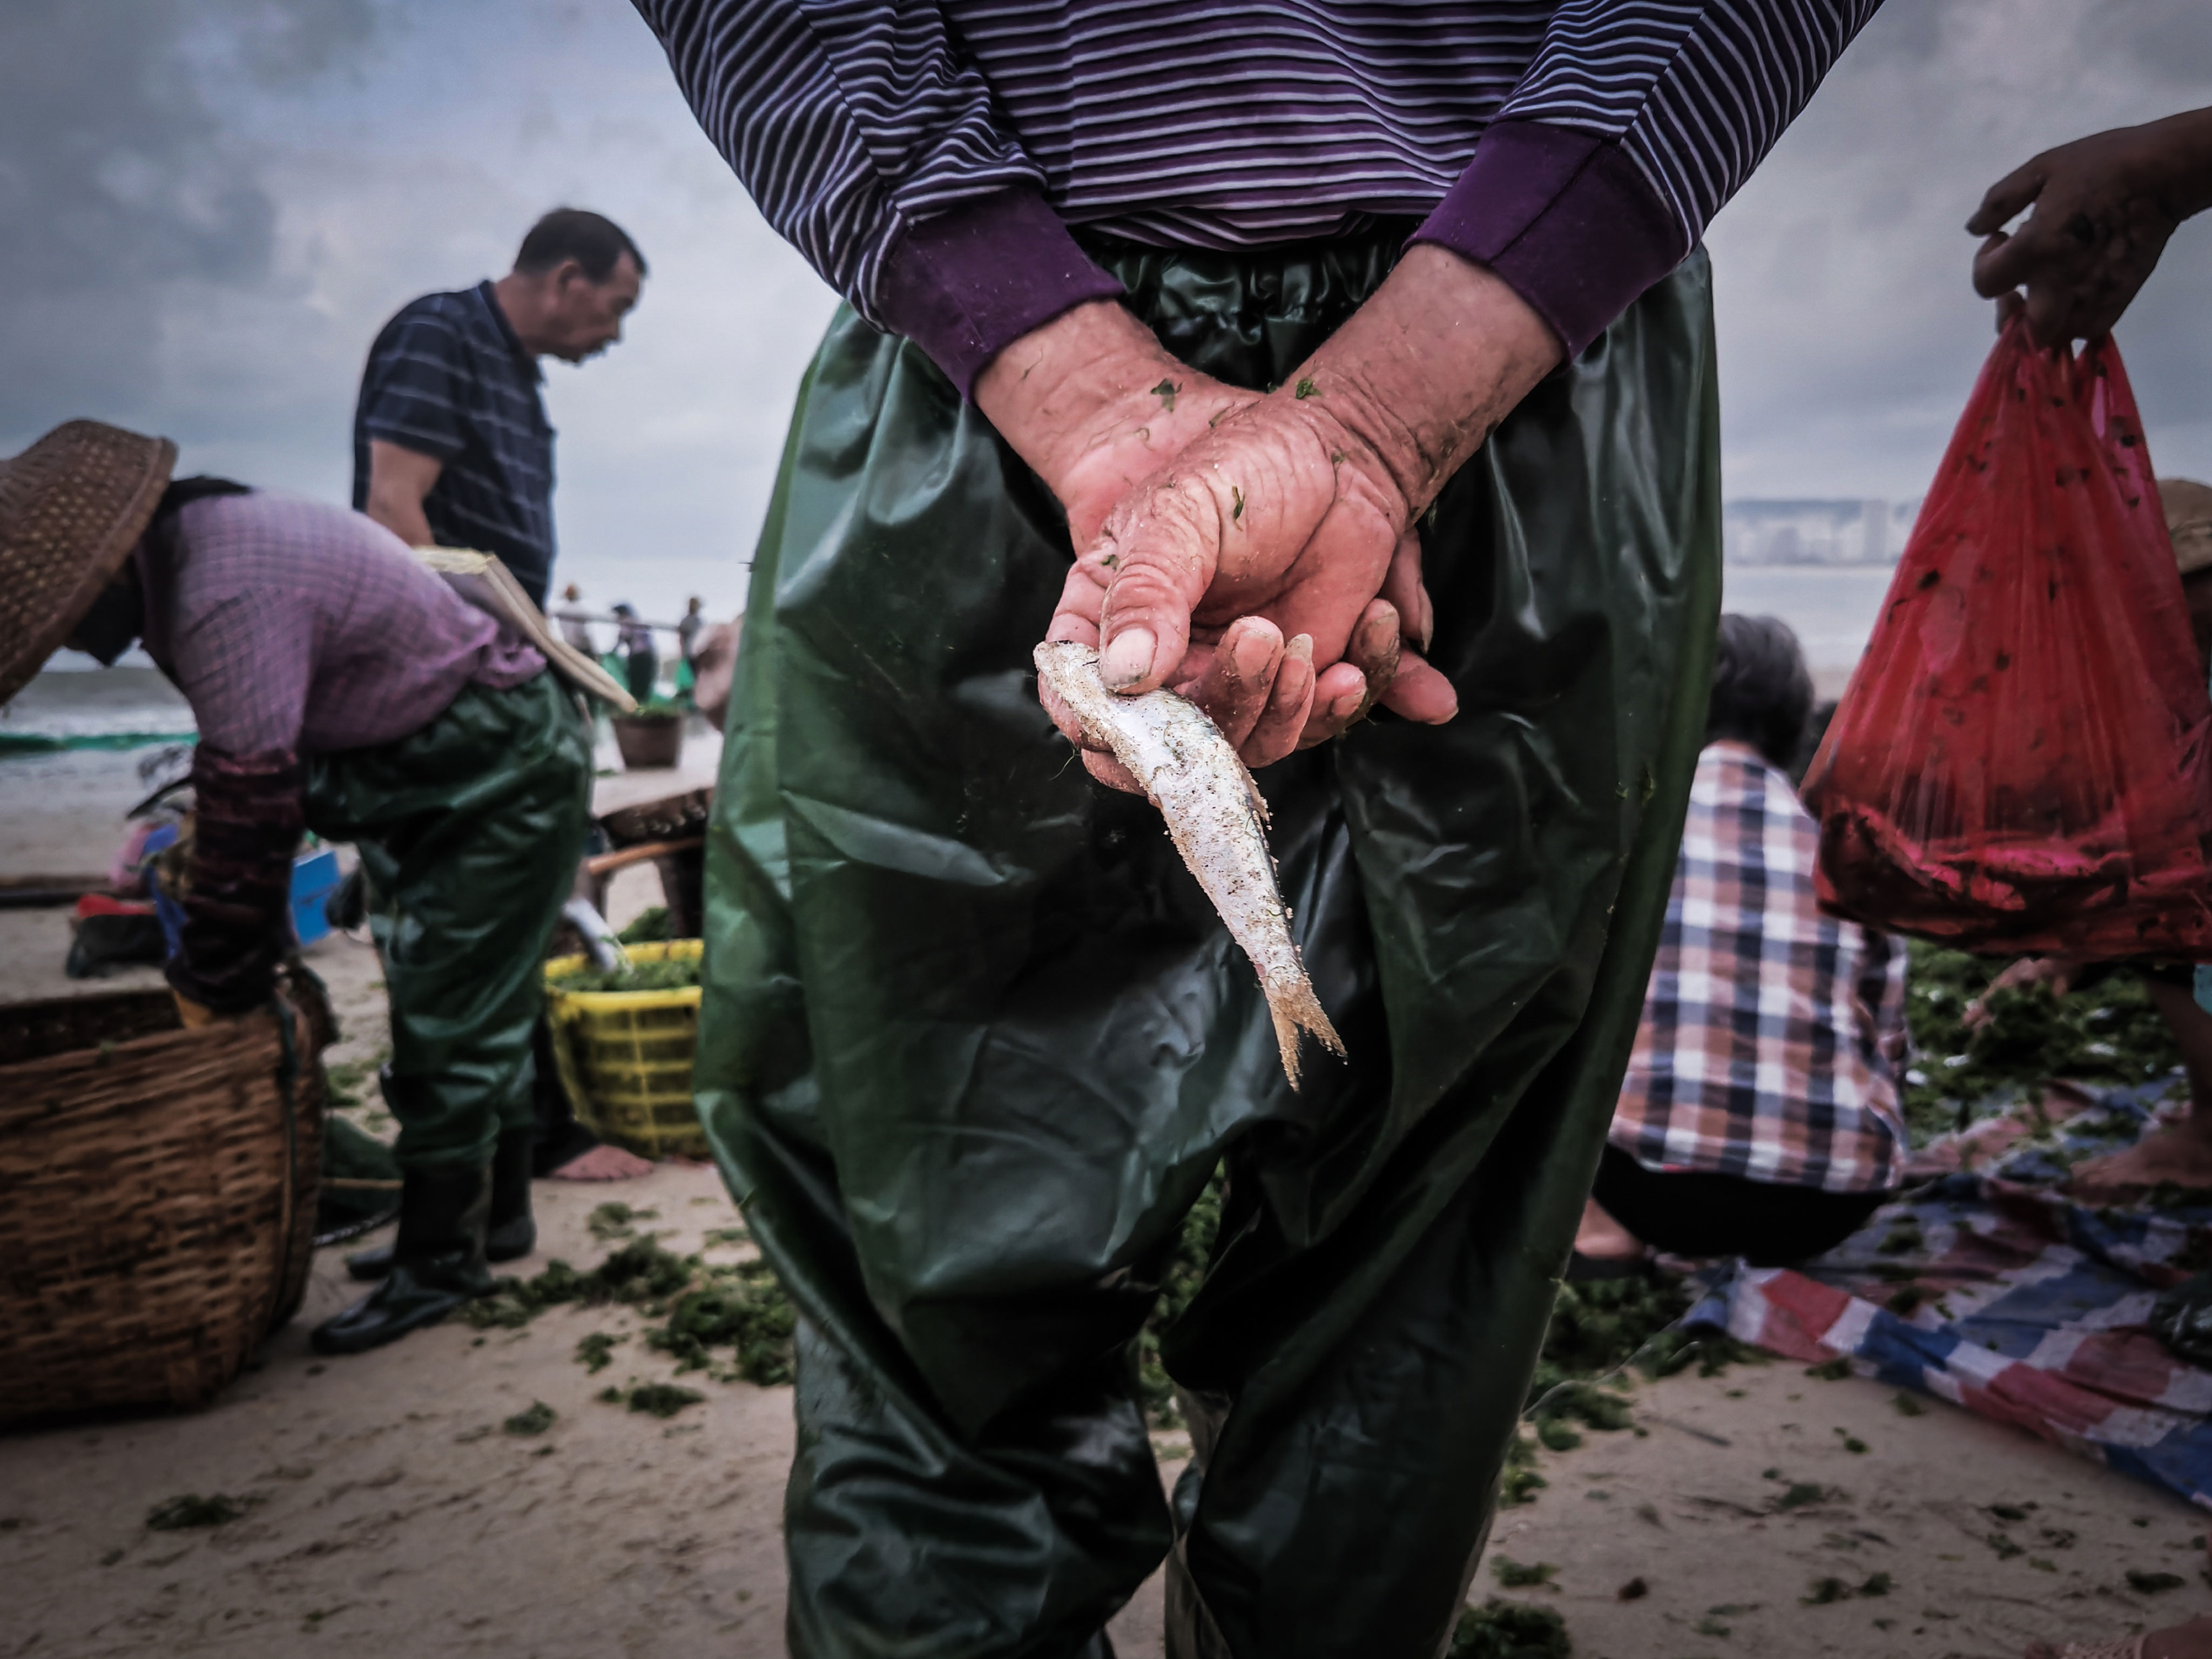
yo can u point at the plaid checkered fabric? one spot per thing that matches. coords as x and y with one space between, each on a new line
1770 1032
293 626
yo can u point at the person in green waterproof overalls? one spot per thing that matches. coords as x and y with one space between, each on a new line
1151 344
337 686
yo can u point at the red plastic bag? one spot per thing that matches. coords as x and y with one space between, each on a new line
2021 762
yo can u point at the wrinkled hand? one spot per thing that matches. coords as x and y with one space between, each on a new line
2105 206
1267 566
194 1015
1273 544
2057 973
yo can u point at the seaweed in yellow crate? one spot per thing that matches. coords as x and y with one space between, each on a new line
669 974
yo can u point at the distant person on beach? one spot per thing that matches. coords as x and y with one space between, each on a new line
340 687
640 662
1760 1115
575 631
687 630
451 444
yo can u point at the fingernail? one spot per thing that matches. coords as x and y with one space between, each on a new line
1301 647
1253 654
1128 659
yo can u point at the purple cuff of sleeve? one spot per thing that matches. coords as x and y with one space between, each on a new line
969 283
1566 218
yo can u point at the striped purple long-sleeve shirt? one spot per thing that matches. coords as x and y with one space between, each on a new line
928 159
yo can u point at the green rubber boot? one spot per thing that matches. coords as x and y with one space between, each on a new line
438 1260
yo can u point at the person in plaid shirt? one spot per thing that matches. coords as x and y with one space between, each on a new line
1760 1116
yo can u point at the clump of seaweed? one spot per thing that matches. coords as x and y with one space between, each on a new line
536 1419
661 1399
669 974
1522 1575
701 1306
189 1509
595 1352
2109 1033
1499 1629
1185 1271
615 1219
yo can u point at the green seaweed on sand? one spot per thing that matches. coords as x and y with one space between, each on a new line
2110 1034
699 1306
536 1419
1179 1282
595 1352
189 1509
661 1399
1499 1629
2153 1583
1519 1575
741 1307
1519 1483
1826 1590
612 1220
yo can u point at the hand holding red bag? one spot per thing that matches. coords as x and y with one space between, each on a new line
2021 762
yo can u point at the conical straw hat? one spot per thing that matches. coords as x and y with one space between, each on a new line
2188 507
72 507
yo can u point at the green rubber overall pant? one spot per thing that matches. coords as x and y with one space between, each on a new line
972 1040
468 832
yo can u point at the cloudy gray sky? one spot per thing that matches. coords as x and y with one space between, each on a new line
207 209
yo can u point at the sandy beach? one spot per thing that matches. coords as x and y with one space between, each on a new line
386 1508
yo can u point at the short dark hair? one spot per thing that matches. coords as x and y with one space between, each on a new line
595 243
1762 690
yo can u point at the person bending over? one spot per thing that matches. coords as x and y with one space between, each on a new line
340 687
1760 1115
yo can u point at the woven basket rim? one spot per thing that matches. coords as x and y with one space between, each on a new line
223 1031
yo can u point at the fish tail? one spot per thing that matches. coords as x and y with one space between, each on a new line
1295 1008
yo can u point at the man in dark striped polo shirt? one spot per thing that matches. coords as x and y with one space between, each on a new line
451 445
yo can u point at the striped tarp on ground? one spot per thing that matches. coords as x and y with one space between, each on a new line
1996 1293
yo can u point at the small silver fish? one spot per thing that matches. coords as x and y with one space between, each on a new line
1217 818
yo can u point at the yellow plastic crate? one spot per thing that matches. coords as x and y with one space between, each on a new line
625 1056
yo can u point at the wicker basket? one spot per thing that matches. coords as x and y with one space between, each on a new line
625 1056
160 1196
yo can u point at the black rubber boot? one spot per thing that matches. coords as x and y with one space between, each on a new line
512 1232
438 1260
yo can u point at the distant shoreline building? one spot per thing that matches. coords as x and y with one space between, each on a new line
1812 532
